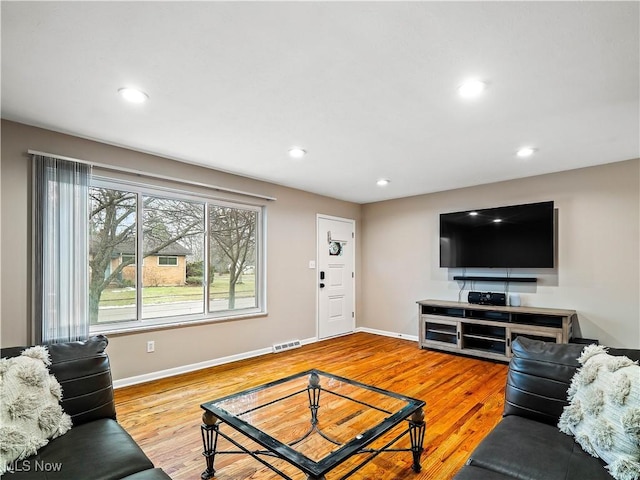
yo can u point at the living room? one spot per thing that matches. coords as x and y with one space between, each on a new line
396 237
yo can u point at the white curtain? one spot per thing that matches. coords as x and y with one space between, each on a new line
61 245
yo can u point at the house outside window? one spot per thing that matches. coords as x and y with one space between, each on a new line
203 258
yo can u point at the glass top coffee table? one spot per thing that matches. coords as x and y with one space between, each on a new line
313 420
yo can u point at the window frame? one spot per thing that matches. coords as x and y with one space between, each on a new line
140 190
174 257
125 256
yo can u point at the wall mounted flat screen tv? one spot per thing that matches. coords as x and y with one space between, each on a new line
517 236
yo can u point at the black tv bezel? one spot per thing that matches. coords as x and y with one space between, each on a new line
495 211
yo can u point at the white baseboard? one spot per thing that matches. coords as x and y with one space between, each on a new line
387 334
170 372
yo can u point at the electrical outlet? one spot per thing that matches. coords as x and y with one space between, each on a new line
151 346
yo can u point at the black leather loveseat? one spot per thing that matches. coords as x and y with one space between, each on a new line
97 447
527 444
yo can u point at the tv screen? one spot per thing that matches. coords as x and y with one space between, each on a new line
517 236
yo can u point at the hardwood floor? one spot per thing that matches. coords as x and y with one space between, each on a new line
464 398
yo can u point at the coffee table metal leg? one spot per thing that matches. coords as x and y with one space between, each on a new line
209 428
417 429
313 391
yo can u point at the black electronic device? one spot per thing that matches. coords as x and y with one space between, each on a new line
487 298
516 236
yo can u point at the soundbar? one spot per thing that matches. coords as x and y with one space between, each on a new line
467 278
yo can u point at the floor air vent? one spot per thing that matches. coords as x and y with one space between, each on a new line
281 347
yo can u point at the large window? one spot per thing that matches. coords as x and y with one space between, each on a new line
201 258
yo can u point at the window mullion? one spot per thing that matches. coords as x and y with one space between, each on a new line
139 254
260 280
206 259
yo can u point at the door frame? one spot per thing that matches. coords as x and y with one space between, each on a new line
317 274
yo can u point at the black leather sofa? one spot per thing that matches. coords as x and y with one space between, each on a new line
97 447
527 444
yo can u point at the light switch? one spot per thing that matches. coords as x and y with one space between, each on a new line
312 264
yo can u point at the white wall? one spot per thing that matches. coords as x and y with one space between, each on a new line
598 266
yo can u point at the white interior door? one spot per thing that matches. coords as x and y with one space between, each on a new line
335 276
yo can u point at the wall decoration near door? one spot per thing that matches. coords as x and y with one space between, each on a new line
335 248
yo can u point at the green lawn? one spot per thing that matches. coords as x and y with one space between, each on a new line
115 297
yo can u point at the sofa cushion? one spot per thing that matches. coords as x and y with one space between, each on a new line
83 370
528 450
539 376
604 410
99 450
30 412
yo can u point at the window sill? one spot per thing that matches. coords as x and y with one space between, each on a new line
113 330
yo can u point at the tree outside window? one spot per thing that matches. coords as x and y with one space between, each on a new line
112 224
233 250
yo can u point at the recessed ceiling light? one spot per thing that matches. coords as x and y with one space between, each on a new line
297 152
132 95
497 220
525 152
473 214
471 88
382 182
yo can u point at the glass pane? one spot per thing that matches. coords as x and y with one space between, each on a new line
170 261
233 257
173 246
112 249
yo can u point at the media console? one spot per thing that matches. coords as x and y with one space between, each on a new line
487 331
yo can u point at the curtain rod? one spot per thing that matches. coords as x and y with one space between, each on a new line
151 175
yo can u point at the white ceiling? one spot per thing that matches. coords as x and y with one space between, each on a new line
369 89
